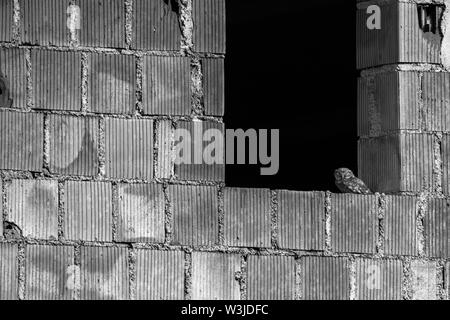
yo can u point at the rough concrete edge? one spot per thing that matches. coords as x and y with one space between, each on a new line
84 82
244 277
380 247
2 209
197 94
353 280
188 275
445 44
61 209
328 222
73 34
440 280
274 232
29 81
422 114
129 15
407 279
132 273
46 143
186 25
16 27
221 214
21 271
403 67
101 152
155 151
168 220
421 209
298 294
447 280
77 263
115 214
438 168
139 109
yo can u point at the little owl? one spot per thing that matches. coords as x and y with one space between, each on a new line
348 183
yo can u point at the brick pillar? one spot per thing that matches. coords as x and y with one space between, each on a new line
403 98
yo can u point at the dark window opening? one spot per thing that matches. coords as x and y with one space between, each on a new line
290 65
430 16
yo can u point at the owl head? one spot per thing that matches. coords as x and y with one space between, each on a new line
343 174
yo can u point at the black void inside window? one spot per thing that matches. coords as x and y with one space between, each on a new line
290 65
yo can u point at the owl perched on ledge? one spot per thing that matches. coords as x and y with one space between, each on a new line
348 183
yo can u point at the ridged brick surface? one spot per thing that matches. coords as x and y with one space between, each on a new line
436 100
33 206
21 141
165 166
195 214
104 273
325 278
166 86
301 220
209 25
13 76
400 225
247 217
88 211
156 25
445 145
141 213
44 22
401 100
50 273
204 171
354 223
437 223
214 86
159 275
417 158
424 280
6 17
129 148
401 40
397 163
377 47
214 276
390 102
378 111
8 271
416 45
56 79
270 278
112 83
379 279
102 23
73 145
379 163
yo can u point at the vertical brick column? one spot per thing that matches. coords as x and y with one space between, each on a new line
403 97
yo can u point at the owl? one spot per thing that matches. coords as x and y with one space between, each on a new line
348 183
11 231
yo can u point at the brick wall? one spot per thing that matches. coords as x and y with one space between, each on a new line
87 176
403 109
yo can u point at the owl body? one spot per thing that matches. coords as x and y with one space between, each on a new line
348 183
11 231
